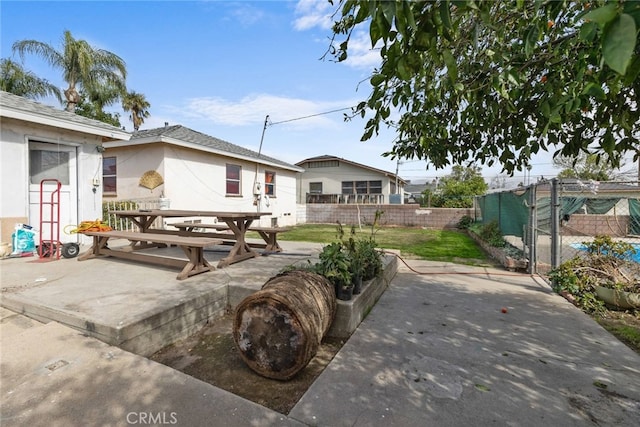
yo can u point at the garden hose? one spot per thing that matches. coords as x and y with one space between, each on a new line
96 225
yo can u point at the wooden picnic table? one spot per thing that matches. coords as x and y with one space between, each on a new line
193 248
268 234
238 223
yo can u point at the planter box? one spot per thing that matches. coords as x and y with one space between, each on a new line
510 263
350 313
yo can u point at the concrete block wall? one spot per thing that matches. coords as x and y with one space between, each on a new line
591 225
398 215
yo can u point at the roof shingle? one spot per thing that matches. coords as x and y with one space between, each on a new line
185 134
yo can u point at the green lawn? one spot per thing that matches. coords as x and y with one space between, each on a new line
433 245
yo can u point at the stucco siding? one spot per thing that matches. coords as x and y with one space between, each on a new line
131 164
14 173
332 178
196 180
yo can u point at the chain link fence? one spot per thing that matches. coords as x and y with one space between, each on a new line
589 209
551 221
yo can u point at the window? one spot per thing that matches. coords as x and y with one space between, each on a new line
269 183
347 187
361 187
109 180
233 179
315 187
49 164
323 164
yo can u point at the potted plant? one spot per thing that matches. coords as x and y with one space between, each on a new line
334 265
358 253
372 259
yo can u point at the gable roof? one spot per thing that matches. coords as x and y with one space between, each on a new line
19 108
416 188
360 165
185 137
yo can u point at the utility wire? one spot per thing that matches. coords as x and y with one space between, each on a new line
307 117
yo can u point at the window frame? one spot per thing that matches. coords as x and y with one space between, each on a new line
316 183
110 176
270 187
362 187
348 187
231 182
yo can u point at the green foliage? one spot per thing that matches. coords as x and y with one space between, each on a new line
371 258
585 167
350 257
497 82
92 111
334 264
364 259
491 234
435 245
465 222
121 205
600 267
459 189
138 105
568 278
603 245
18 81
626 333
83 67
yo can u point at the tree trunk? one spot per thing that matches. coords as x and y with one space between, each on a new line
278 329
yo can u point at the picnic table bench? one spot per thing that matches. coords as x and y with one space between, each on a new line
193 247
268 234
238 223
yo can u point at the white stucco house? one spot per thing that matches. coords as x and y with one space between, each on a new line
41 146
194 171
331 179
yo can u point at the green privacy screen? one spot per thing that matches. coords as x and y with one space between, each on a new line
508 209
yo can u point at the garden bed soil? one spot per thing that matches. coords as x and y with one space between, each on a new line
211 356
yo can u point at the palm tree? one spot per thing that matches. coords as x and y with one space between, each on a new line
138 105
18 81
83 67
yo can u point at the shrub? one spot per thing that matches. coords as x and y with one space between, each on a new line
465 222
606 263
491 234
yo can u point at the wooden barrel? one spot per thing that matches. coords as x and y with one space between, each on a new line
278 329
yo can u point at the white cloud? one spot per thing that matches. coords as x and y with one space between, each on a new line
360 53
253 109
246 14
313 13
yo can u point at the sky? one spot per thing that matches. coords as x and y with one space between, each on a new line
221 67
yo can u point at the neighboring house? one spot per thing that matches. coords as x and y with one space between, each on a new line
330 179
414 193
195 171
40 146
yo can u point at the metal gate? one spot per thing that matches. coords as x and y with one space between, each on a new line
551 221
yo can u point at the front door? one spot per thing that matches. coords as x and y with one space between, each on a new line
52 163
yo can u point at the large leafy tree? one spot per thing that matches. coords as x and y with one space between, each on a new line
95 110
498 81
84 68
137 104
585 167
458 189
18 81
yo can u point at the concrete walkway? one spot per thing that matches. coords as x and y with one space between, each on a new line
436 350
